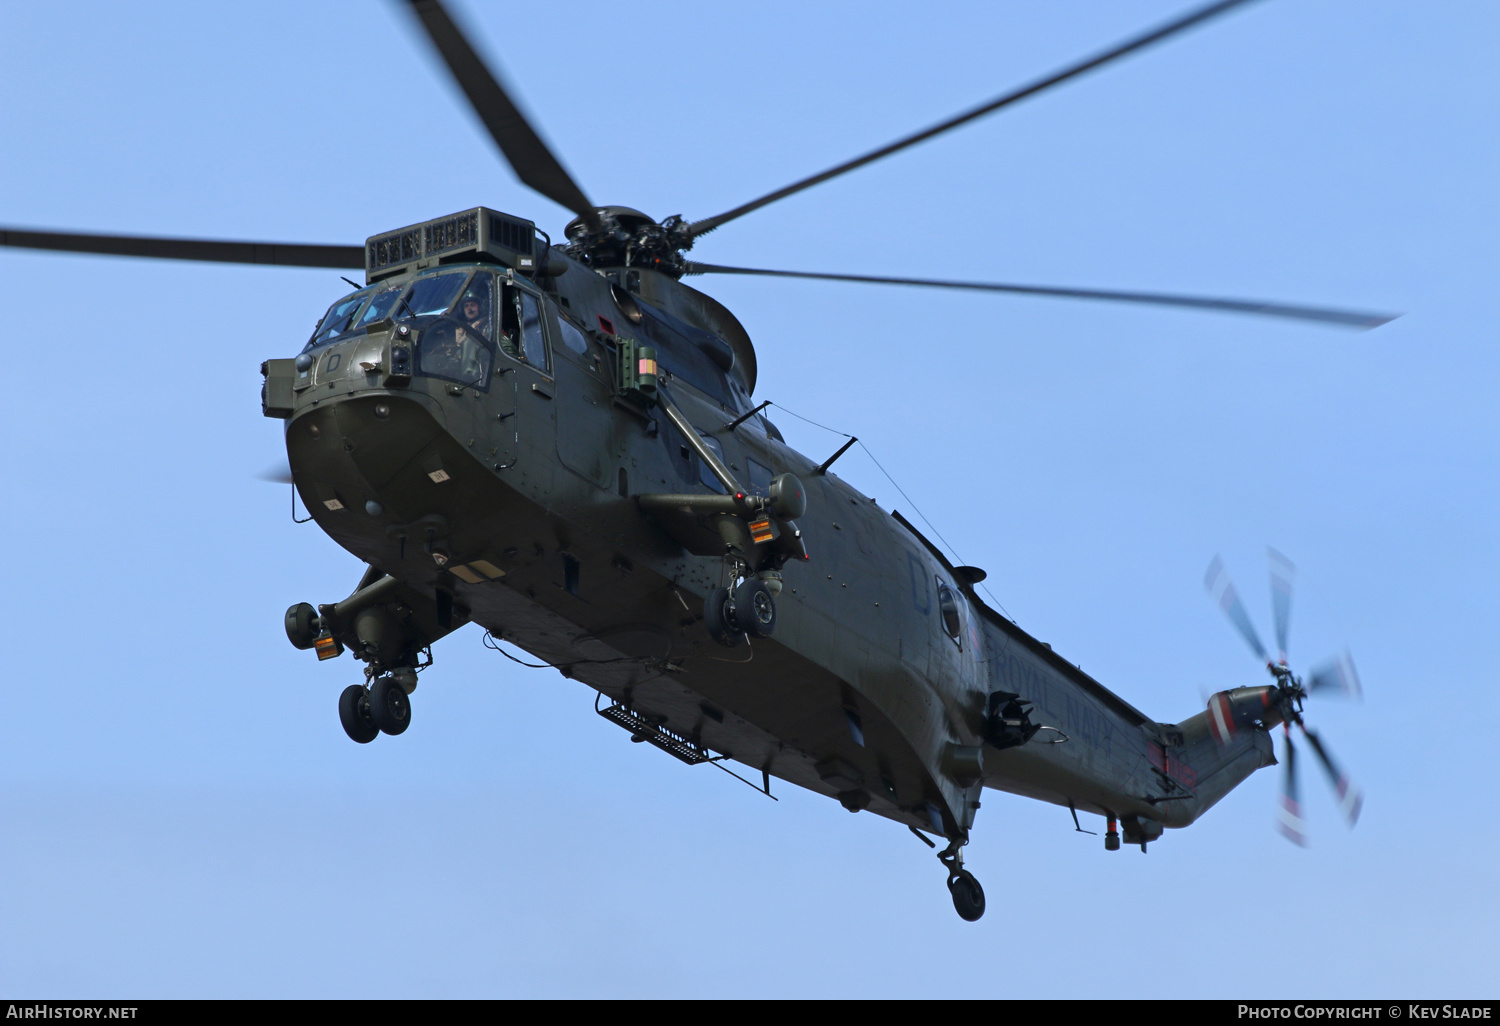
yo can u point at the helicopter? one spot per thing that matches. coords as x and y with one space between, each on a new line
579 467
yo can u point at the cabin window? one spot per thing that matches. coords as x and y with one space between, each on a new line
950 606
760 478
572 337
704 473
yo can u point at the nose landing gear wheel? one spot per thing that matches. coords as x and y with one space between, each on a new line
968 896
716 618
354 714
390 706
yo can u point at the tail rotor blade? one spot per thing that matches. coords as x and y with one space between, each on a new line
1336 678
1222 589
1289 817
1351 799
1282 571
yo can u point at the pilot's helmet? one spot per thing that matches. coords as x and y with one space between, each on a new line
473 296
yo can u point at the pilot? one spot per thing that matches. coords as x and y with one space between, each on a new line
471 310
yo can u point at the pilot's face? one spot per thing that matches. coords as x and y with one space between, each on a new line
471 310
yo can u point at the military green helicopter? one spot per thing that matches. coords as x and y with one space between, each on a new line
558 441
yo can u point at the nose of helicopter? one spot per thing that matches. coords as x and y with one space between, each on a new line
361 455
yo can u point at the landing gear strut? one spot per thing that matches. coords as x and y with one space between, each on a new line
968 896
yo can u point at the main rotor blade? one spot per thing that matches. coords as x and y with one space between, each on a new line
1347 318
281 473
1337 677
1289 816
1351 800
1222 589
1281 595
528 155
286 254
1071 71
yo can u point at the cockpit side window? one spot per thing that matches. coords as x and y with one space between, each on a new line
455 343
533 344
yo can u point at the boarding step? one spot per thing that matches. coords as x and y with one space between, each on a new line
642 729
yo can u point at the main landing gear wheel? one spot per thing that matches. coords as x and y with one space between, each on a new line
721 625
390 706
968 896
755 607
354 714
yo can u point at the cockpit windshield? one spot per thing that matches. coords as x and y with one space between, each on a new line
339 319
430 296
380 307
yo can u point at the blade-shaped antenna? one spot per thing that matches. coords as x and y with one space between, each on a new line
1289 815
285 254
530 158
1326 315
1351 799
1282 571
1155 35
1222 589
1336 678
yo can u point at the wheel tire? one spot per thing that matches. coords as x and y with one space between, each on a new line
354 714
390 706
755 608
299 625
968 896
717 620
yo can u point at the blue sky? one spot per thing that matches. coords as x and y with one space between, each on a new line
183 815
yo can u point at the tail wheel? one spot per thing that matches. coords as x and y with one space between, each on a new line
354 714
968 896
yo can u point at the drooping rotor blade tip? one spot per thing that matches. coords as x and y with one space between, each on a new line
1138 42
529 157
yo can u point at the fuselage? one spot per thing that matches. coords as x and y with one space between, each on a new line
503 470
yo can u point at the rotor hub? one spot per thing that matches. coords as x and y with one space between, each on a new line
625 237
